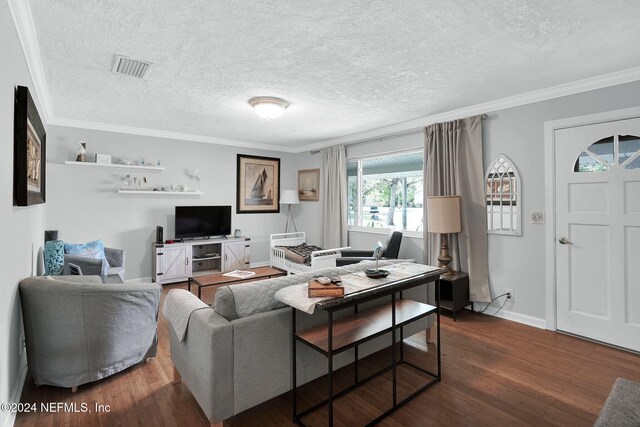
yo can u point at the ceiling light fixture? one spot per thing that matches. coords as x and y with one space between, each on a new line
268 107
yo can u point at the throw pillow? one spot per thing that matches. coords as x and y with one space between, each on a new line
94 249
53 257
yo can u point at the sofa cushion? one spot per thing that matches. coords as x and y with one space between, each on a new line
53 257
94 249
244 299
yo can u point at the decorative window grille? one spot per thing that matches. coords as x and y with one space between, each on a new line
503 192
613 151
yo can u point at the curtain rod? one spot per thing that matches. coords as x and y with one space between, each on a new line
482 117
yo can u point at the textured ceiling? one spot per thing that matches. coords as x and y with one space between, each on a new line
344 65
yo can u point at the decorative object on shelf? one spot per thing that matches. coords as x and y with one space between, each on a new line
258 184
103 159
237 233
159 192
309 185
142 162
268 107
158 163
125 161
82 151
30 154
195 177
378 251
443 216
289 197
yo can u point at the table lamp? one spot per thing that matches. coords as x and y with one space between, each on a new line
289 197
443 216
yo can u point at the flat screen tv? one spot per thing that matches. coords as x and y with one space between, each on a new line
202 221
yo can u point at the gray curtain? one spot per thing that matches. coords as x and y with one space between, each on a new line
334 197
453 166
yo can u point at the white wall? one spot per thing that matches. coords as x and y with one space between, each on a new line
515 262
518 262
308 215
22 227
83 203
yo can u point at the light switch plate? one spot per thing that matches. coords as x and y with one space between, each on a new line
537 218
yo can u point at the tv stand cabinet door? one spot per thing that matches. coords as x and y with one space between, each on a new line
236 256
174 263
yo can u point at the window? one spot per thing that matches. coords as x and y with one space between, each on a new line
601 155
386 192
502 188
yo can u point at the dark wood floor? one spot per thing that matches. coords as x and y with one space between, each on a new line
495 372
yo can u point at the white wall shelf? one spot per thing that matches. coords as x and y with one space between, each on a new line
114 166
162 193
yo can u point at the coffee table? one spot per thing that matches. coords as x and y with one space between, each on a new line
220 279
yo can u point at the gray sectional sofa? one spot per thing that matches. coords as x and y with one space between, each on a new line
237 353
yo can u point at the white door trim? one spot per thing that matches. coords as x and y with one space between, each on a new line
550 128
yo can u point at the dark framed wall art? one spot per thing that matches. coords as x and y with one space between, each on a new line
29 152
258 184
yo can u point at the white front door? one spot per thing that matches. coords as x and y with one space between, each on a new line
598 231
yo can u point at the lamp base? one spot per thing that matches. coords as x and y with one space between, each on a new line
444 259
290 215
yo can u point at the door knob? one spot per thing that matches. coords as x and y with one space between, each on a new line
565 241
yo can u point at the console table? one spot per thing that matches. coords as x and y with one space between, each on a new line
348 332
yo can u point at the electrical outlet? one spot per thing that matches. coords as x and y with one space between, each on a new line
510 297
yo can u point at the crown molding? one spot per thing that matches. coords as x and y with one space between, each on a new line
131 130
578 86
23 21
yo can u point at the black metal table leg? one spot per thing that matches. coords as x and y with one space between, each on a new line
393 349
437 283
330 366
294 363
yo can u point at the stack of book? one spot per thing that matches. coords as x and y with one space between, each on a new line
317 289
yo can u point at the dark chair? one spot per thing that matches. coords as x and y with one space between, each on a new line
353 256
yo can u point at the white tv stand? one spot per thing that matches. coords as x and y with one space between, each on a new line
176 262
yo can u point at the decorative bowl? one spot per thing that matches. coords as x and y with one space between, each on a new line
376 274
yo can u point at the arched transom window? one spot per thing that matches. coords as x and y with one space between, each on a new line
502 186
613 151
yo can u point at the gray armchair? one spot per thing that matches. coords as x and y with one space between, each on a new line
93 266
79 330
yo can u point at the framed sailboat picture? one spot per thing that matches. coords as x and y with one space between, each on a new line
258 188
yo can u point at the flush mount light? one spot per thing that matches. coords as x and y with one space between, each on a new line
268 107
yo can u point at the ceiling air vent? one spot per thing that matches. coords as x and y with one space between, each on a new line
130 67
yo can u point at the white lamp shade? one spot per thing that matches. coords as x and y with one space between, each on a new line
443 214
289 197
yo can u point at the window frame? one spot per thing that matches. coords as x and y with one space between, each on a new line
382 231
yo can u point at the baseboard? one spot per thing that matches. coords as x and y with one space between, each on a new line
139 280
260 264
7 419
522 318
